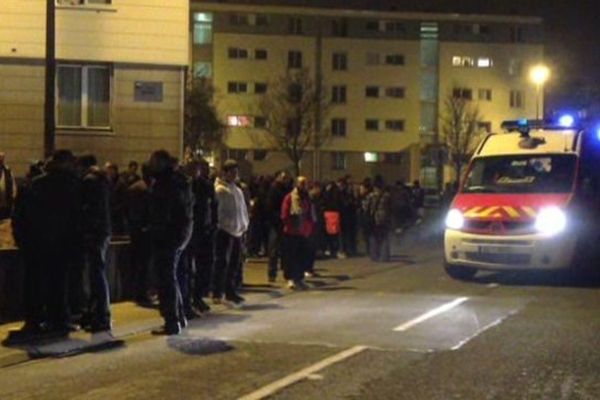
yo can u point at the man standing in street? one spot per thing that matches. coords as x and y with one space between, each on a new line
171 220
232 224
279 189
96 227
7 189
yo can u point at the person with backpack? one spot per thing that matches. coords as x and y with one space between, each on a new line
378 213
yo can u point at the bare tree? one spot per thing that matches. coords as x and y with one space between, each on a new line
292 107
461 129
203 129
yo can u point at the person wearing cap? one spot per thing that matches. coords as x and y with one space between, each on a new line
232 223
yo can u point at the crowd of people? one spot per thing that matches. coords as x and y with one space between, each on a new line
190 228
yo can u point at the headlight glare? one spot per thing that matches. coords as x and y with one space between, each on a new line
455 219
550 221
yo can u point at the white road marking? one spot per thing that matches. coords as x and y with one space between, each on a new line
430 314
305 373
485 328
493 285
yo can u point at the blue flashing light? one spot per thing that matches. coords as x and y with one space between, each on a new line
523 122
566 121
598 133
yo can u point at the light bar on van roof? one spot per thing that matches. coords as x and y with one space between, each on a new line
525 125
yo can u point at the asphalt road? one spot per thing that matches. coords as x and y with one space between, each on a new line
402 330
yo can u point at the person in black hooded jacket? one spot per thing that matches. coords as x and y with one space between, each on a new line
170 221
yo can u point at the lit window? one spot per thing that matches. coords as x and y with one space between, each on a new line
371 157
83 97
340 61
457 61
484 62
203 28
239 121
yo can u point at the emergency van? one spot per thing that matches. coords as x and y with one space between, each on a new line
529 200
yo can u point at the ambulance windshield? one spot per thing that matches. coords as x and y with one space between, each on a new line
540 173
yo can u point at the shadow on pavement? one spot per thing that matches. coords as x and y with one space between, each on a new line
197 346
539 278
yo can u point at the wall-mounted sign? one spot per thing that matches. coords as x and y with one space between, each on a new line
148 91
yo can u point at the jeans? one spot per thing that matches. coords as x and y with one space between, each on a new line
295 256
167 264
227 261
379 244
95 249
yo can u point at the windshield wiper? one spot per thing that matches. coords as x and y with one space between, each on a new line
480 189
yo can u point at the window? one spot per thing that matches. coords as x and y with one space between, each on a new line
202 69
295 26
394 125
463 61
395 92
338 127
260 54
237 154
485 126
294 59
237 87
371 157
516 99
260 88
394 59
516 34
372 125
478 29
260 122
235 53
485 94
338 161
83 97
394 26
372 25
373 59
77 2
484 62
239 19
462 93
515 67
241 121
372 91
338 94
339 27
261 20
203 28
340 61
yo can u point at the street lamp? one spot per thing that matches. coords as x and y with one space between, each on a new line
539 74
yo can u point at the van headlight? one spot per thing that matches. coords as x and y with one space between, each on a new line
551 220
455 219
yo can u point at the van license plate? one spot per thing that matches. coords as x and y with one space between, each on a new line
493 250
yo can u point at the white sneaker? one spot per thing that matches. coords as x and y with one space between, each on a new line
327 253
341 256
291 284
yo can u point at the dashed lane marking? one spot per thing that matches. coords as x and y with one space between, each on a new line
305 373
430 314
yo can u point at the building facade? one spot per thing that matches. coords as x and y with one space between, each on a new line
120 80
387 75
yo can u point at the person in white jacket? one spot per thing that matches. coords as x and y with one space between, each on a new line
232 224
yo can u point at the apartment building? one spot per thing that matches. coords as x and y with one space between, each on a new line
121 68
387 74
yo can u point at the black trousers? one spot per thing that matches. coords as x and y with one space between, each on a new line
34 288
141 250
227 262
274 249
95 249
195 271
55 263
167 264
296 258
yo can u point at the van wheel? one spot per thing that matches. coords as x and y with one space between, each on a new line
459 272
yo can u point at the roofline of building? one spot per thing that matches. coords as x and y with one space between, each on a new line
358 13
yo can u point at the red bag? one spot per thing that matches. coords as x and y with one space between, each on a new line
332 222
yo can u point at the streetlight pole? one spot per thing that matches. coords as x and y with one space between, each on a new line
49 103
539 74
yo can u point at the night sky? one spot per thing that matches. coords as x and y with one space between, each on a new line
572 30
